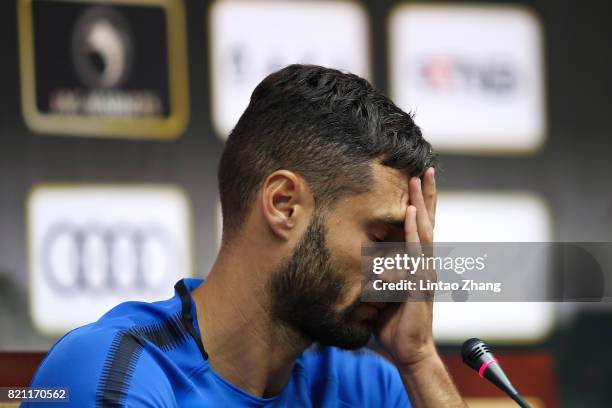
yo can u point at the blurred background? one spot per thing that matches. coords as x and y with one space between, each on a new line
113 116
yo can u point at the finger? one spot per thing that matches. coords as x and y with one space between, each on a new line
411 232
410 226
425 229
430 194
413 244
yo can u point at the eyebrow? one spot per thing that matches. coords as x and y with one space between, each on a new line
391 221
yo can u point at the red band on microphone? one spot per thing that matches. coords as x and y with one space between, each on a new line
484 366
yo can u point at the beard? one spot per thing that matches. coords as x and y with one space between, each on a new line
306 289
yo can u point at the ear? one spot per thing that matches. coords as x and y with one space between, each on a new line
286 202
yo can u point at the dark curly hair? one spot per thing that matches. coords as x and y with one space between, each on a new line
323 124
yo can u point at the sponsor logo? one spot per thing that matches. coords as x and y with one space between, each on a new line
471 74
87 67
94 246
444 74
96 258
102 47
249 40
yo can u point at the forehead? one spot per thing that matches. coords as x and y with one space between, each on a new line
388 196
390 182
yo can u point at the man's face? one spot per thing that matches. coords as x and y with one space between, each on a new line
318 289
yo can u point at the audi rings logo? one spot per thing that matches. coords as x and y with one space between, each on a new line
97 259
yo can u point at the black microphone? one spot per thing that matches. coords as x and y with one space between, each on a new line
477 355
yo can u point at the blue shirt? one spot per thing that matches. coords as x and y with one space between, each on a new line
151 355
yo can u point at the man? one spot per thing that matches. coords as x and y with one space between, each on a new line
318 163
